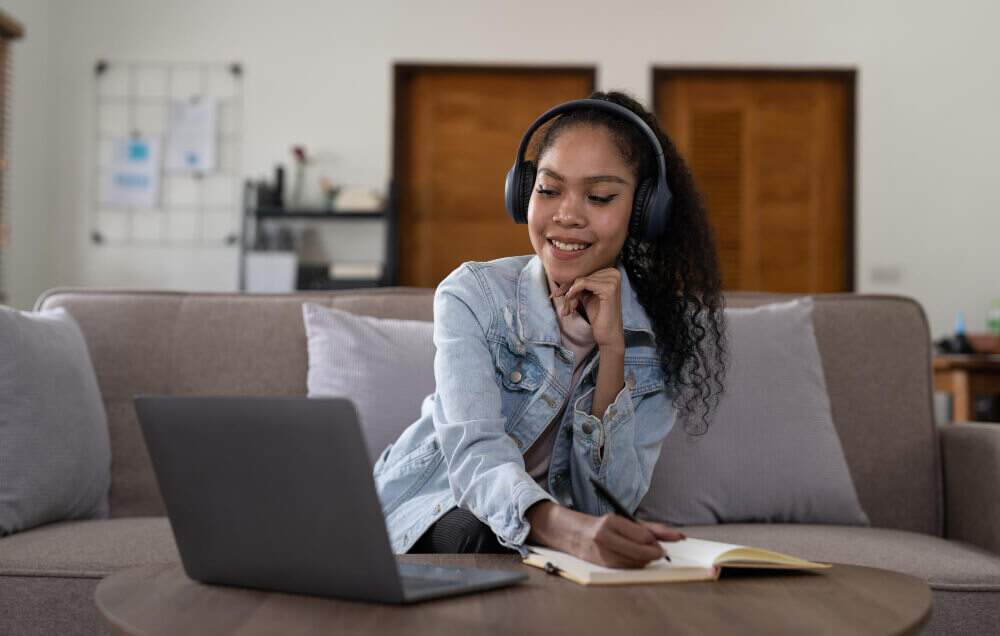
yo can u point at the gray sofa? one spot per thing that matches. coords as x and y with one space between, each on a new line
931 492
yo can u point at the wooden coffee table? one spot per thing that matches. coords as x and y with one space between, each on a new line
846 599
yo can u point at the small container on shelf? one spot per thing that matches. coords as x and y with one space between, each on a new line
359 200
358 270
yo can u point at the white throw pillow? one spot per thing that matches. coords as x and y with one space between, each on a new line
55 452
385 366
771 452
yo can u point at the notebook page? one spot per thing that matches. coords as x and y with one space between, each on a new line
702 552
697 551
758 557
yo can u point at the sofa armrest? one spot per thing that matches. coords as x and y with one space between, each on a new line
970 454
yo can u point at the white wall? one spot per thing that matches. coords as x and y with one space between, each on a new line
320 73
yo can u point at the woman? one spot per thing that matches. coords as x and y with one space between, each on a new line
569 363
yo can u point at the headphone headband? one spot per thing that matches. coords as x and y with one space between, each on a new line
651 205
599 104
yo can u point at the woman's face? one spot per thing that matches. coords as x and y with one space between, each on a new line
580 204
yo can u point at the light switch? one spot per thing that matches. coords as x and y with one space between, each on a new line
886 274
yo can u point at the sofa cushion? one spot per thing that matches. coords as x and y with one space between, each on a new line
371 360
47 605
876 353
55 455
92 548
48 574
771 452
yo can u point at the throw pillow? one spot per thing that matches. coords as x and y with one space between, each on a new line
771 452
55 452
386 366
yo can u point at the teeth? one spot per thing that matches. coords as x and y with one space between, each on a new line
568 247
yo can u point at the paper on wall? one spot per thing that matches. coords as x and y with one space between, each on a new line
133 179
191 135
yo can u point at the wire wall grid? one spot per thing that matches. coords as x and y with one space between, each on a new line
133 100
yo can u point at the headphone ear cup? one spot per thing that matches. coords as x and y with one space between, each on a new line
527 183
640 210
511 192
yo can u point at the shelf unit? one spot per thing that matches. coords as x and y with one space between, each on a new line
310 277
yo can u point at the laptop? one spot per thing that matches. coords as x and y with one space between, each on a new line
276 493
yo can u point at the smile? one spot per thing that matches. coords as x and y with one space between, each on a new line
564 250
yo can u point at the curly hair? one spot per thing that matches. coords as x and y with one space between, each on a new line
676 278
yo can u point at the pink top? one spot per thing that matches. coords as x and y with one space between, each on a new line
578 337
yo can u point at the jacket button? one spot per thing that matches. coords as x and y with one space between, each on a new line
587 427
515 376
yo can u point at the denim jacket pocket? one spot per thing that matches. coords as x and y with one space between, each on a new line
400 478
519 376
517 372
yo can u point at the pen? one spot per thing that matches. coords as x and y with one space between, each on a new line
619 508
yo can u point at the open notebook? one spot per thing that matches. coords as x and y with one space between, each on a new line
692 560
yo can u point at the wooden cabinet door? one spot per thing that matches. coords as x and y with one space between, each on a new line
772 153
456 133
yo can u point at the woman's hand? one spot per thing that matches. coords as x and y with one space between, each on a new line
600 295
614 541
609 540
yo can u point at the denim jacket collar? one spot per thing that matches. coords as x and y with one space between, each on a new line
536 317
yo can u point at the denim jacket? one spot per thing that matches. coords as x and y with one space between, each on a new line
502 375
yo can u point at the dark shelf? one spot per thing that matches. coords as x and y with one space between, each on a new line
316 215
316 277
255 221
342 283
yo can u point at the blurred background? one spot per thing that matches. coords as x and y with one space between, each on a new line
841 146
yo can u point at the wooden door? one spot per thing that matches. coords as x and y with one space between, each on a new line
456 134
773 154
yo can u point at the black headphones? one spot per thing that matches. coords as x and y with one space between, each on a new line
651 207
